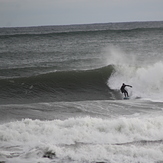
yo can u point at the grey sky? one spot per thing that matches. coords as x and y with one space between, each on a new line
62 12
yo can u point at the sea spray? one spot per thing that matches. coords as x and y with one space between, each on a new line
147 81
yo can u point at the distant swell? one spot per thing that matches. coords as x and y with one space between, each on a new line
79 32
59 86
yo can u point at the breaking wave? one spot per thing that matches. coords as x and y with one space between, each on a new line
147 80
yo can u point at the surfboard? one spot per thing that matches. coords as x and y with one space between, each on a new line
126 98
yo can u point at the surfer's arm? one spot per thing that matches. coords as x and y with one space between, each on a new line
129 86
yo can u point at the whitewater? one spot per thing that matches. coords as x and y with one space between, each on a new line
60 98
147 78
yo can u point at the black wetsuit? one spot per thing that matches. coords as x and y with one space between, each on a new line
124 91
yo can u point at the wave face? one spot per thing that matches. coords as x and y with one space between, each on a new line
59 86
80 85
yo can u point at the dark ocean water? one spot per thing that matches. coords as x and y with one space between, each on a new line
56 63
60 98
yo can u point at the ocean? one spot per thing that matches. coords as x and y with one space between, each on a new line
60 99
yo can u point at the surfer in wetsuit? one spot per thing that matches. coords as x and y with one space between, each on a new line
123 89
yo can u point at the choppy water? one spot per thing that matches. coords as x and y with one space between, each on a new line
60 98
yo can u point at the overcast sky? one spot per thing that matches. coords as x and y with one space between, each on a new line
62 12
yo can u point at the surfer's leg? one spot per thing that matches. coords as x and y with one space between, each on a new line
126 93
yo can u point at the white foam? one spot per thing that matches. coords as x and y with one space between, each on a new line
146 79
84 139
83 130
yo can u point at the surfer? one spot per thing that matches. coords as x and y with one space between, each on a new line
123 89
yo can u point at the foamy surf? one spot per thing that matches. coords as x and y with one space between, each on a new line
83 140
147 80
